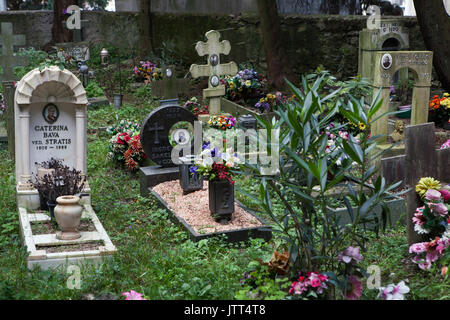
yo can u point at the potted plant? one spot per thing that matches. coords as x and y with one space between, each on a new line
60 187
217 166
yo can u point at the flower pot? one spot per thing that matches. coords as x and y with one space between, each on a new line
221 200
188 181
68 214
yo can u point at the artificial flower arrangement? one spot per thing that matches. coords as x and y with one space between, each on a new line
124 126
245 84
271 102
214 164
446 144
433 220
222 122
147 71
196 108
125 145
440 109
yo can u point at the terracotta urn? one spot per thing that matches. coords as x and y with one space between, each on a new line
68 214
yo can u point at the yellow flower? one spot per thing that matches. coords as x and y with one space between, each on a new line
446 94
248 83
232 85
425 184
362 126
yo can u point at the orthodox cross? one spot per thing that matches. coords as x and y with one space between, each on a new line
213 48
8 60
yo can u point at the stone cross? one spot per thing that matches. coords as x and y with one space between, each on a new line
8 60
421 159
170 86
214 69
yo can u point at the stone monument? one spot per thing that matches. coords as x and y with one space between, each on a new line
169 87
392 36
155 139
214 69
50 122
387 64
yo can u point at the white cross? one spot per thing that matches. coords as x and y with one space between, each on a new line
213 48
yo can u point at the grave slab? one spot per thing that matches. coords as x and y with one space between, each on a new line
50 260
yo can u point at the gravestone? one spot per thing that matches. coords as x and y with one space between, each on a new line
391 36
421 159
214 69
169 87
78 50
50 122
8 60
155 141
420 63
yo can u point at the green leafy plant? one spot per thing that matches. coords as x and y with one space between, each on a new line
312 234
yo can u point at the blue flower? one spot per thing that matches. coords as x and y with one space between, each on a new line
206 145
193 170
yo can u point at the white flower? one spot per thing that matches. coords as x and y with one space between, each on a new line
420 230
394 292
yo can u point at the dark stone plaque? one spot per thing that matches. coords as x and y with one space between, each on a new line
155 132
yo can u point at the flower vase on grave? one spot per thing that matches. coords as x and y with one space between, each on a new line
221 199
189 180
68 216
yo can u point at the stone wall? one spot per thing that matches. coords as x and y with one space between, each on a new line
311 40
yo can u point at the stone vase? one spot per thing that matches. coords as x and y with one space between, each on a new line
68 214
221 200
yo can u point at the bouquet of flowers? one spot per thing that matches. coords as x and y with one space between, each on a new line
271 102
440 109
245 84
222 122
147 71
215 164
432 219
125 145
196 108
132 127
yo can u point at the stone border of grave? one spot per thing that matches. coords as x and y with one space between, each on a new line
237 110
52 260
243 234
397 207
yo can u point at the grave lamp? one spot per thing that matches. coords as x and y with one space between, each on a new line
188 181
84 70
104 54
247 122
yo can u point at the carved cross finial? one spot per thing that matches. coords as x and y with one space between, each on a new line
213 48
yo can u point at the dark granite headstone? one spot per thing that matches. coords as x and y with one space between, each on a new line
156 144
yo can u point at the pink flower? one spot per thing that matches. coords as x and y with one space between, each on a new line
439 208
355 292
133 295
433 195
349 254
394 292
418 247
446 195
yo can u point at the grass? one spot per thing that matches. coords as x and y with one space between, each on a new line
155 257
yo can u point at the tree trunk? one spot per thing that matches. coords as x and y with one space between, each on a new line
60 33
278 64
145 29
434 24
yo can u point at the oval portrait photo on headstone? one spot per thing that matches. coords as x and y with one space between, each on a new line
386 61
50 113
181 136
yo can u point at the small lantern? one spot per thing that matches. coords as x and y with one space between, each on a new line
247 122
104 54
84 70
188 181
